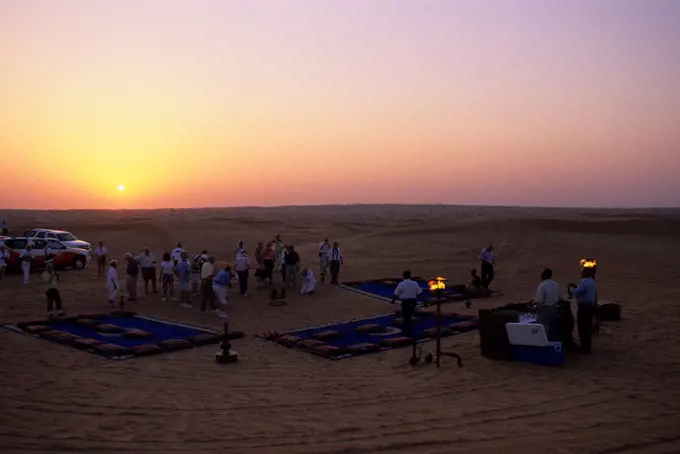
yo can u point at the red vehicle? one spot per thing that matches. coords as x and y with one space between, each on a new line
63 256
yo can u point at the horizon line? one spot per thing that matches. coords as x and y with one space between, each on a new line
335 205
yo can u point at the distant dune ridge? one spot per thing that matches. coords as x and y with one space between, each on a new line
623 399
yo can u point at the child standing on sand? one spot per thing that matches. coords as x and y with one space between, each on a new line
167 277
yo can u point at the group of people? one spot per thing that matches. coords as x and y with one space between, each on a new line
200 276
548 299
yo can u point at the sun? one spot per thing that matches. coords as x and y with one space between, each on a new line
121 187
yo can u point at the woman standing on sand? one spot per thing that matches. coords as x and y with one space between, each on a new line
101 252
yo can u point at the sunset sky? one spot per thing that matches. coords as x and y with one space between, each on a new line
192 103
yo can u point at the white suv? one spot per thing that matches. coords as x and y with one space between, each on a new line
66 238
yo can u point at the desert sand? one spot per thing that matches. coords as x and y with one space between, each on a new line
625 398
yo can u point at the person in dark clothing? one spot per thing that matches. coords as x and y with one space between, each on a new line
131 275
586 296
336 260
475 280
487 259
292 266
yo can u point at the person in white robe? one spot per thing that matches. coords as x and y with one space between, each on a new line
112 282
308 282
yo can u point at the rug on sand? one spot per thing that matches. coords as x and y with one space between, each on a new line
120 335
384 289
369 335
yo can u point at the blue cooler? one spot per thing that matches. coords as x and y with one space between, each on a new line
530 344
550 355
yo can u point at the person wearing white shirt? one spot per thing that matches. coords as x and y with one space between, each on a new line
4 258
101 253
324 258
407 291
148 264
487 258
176 254
242 268
308 283
26 258
112 283
240 248
547 297
335 260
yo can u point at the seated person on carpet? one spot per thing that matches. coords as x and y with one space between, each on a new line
308 282
475 280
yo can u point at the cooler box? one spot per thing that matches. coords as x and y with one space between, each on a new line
550 355
530 344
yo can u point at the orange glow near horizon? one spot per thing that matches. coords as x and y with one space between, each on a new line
477 102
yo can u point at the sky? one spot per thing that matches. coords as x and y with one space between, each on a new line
270 102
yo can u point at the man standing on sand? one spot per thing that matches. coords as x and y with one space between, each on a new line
148 263
242 268
4 258
487 258
547 297
268 260
112 282
207 275
220 288
26 258
586 297
196 265
335 262
292 264
324 250
4 228
101 253
407 291
51 278
183 270
131 276
176 254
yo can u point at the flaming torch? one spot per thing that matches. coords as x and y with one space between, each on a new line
437 287
589 264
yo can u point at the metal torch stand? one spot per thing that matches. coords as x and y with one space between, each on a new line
227 355
438 351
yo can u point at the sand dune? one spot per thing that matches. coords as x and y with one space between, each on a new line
623 399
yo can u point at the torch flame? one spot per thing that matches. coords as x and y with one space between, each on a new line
588 263
437 284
